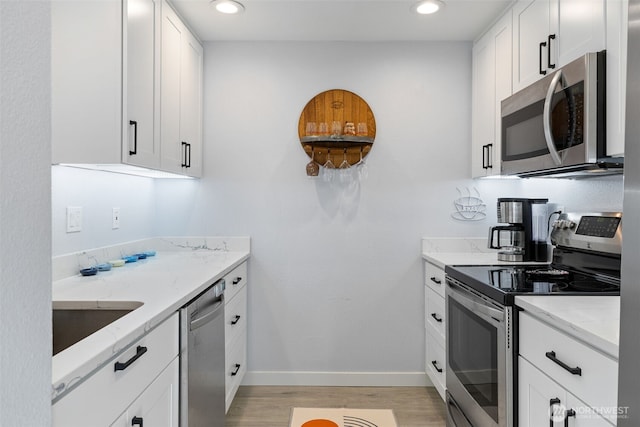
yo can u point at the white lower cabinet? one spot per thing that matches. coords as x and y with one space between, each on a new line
157 406
560 377
143 379
235 317
435 327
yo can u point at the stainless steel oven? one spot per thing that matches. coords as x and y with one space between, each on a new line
479 359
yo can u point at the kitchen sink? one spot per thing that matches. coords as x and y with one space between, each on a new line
76 320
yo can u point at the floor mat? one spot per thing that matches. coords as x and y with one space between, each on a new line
342 417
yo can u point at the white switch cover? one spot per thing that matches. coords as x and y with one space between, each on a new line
115 218
74 219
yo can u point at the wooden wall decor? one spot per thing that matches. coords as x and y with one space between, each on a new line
337 124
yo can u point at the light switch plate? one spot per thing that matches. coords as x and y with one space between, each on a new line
74 219
115 218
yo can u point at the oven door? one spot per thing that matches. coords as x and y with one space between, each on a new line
479 367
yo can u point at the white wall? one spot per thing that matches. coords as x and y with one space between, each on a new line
25 214
98 193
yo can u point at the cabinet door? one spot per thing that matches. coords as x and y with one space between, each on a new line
86 81
539 398
191 103
141 145
531 26
579 26
483 106
492 58
171 147
617 25
181 97
157 406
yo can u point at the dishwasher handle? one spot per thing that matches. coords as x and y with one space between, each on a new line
209 315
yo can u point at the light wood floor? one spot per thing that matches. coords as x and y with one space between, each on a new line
270 406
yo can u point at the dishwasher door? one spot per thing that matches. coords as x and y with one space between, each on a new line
202 364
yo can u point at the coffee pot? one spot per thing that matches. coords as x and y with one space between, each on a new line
524 239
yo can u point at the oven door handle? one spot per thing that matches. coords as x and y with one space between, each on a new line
451 404
477 305
546 117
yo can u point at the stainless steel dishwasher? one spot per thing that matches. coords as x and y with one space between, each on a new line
202 364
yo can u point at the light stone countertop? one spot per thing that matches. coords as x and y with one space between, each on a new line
163 284
594 320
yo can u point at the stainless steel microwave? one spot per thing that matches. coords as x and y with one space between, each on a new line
557 125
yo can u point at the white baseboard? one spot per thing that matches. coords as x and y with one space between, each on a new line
353 379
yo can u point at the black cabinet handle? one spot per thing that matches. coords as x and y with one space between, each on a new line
542 72
119 366
135 137
235 371
235 319
189 157
184 154
435 365
236 280
484 156
554 401
435 280
137 421
568 413
549 64
435 316
489 156
552 356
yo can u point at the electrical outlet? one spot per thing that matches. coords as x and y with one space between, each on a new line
74 219
115 218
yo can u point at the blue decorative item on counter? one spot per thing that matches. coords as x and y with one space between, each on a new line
104 267
130 258
150 253
91 271
141 255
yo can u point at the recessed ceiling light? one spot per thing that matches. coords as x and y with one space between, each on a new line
229 7
427 7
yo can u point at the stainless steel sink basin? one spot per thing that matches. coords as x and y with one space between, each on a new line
75 320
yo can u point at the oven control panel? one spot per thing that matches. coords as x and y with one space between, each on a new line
600 231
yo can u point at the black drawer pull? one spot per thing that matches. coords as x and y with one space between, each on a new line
136 421
568 413
435 365
235 319
135 137
236 280
119 366
235 371
435 316
436 281
554 401
549 64
552 356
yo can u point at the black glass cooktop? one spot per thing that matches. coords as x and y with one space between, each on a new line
501 283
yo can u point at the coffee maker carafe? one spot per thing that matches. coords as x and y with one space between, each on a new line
525 238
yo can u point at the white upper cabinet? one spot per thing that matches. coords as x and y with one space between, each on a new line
181 97
141 81
126 86
548 34
86 74
491 84
617 24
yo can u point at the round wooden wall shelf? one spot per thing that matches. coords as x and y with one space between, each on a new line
336 124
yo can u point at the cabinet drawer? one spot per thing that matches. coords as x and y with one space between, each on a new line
107 393
434 278
436 363
235 281
434 304
596 383
236 367
235 316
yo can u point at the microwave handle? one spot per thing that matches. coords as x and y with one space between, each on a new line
546 117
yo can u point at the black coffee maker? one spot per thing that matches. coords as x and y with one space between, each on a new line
525 238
